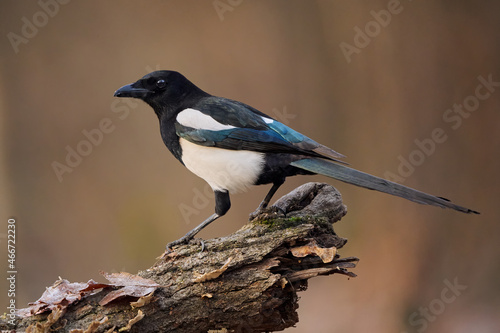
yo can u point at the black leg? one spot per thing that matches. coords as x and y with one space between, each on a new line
222 202
267 199
187 237
269 196
222 205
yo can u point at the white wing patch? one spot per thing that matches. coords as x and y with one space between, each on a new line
267 120
198 120
223 169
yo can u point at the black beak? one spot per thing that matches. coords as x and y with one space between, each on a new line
130 91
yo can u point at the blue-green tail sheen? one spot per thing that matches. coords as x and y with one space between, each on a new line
358 178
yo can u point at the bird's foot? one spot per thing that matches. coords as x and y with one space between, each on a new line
267 212
184 240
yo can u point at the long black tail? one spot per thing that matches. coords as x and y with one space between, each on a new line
358 178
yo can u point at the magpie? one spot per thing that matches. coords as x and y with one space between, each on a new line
233 146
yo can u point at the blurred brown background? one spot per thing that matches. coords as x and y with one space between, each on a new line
121 204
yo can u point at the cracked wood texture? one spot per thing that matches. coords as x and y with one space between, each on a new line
245 282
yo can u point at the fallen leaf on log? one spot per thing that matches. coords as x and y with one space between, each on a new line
126 279
61 294
132 285
326 254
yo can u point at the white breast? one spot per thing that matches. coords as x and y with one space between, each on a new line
223 169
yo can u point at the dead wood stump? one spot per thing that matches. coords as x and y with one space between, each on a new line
245 282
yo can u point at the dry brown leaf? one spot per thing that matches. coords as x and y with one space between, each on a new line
132 321
327 254
142 301
133 291
126 279
132 285
61 294
213 274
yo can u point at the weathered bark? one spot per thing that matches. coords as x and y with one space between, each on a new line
245 282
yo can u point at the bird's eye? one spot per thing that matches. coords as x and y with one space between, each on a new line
161 83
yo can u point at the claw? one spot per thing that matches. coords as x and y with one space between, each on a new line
184 240
202 243
273 210
198 241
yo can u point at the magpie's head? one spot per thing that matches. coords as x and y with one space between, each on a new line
162 90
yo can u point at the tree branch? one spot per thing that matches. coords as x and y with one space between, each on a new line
245 282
